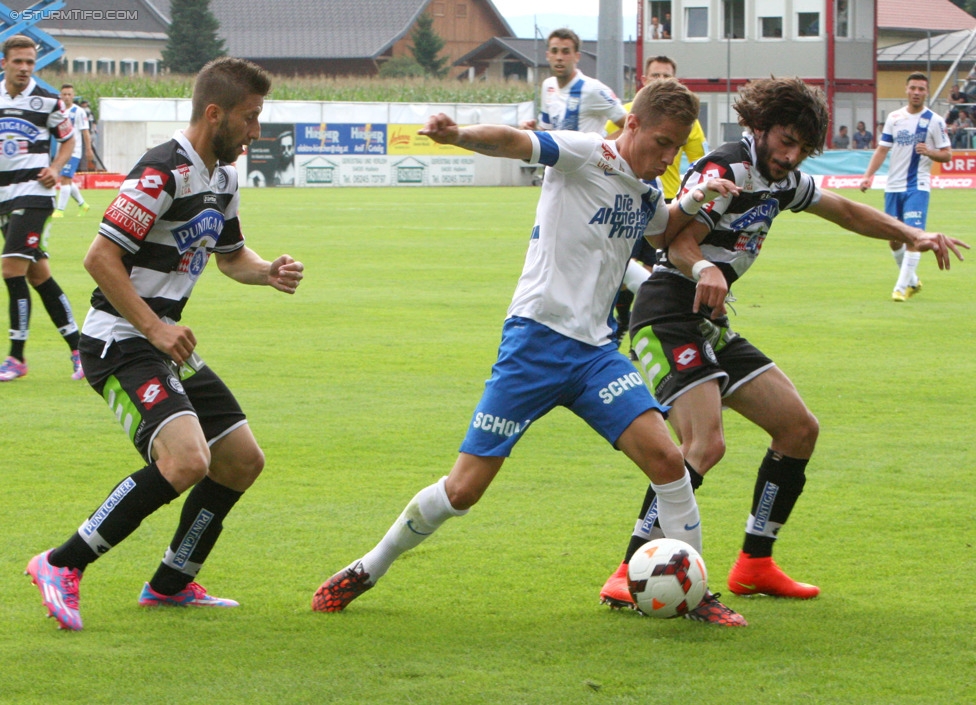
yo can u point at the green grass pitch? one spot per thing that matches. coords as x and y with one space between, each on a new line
359 389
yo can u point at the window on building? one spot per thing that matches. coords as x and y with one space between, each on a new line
150 68
105 67
437 9
734 19
771 27
661 10
461 11
81 65
808 24
842 15
128 67
696 22
731 131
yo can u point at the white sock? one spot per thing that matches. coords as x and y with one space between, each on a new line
76 194
678 511
426 511
899 254
907 276
635 275
63 194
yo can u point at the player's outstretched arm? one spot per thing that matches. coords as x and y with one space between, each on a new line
491 140
245 266
870 222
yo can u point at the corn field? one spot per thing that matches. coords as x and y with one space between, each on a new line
328 88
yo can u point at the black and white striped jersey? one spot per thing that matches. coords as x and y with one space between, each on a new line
169 216
27 124
739 224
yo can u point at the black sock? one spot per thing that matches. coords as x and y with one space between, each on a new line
132 500
59 309
637 541
20 309
779 484
201 522
625 298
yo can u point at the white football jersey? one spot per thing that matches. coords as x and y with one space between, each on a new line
584 105
908 170
79 119
592 211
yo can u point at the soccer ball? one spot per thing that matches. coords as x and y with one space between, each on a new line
666 578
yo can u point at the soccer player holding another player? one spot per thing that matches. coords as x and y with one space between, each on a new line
556 348
695 362
79 118
177 207
916 137
31 118
571 100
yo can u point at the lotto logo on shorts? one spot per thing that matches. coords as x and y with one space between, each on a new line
687 356
151 393
33 239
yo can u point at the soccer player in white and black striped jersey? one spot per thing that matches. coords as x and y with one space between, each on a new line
30 117
178 206
692 358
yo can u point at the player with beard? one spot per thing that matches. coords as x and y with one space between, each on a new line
691 357
176 208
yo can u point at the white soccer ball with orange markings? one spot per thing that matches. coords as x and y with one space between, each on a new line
666 578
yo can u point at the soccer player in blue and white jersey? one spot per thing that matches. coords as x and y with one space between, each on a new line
30 118
916 137
79 119
177 208
697 364
556 348
571 100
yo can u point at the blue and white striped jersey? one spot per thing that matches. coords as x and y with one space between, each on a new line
79 118
592 212
908 170
584 105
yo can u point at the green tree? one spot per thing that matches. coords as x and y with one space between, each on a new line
192 37
427 45
401 67
967 5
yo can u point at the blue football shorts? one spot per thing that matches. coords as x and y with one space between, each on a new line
538 369
910 207
71 167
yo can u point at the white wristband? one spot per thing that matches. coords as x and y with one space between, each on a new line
699 267
688 204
